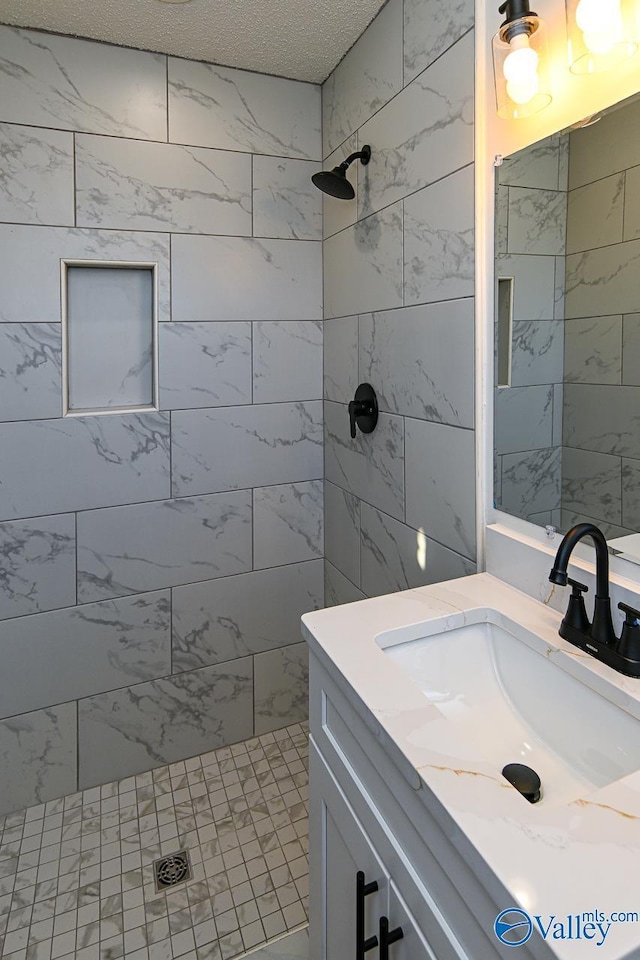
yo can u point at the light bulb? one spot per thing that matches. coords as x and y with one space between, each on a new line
520 70
601 24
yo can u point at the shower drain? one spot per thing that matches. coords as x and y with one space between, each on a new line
172 870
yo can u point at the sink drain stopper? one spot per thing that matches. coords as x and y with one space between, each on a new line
524 779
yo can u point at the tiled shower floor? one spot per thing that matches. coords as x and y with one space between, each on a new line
76 874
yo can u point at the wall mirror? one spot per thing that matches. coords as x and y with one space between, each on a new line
567 330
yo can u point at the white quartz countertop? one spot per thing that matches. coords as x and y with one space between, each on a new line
554 860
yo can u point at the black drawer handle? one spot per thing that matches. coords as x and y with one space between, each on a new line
363 945
387 937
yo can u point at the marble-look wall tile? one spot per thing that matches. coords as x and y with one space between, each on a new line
281 687
533 287
501 224
439 247
37 175
610 530
30 265
631 349
213 106
132 185
237 278
441 484
421 360
516 407
37 565
342 531
40 751
339 214
72 653
537 221
287 360
204 364
632 205
616 148
603 280
148 725
370 465
422 133
363 266
55 466
367 78
430 28
595 214
531 482
286 204
340 359
558 411
396 557
263 444
593 351
338 589
542 165
71 84
30 371
213 622
602 418
631 493
287 523
592 484
537 348
148 546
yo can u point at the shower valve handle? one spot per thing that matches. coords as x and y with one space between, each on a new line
363 410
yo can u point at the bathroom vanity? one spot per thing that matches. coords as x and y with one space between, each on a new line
418 701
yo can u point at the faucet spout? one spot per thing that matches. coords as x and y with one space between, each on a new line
559 570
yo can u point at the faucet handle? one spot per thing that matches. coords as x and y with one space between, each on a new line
628 645
632 616
577 589
576 616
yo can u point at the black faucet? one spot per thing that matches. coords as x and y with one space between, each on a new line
597 637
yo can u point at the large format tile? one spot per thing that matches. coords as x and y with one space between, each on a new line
287 360
338 214
602 418
55 466
439 247
148 546
441 484
213 622
615 148
603 281
596 214
62 82
369 76
281 687
523 418
37 175
531 482
592 484
421 360
533 285
632 205
287 523
338 589
238 278
83 650
593 350
342 531
141 727
263 444
631 349
30 371
340 359
38 752
537 349
537 221
631 493
204 364
370 465
363 266
541 165
37 565
430 28
132 185
397 557
423 134
30 265
230 109
286 204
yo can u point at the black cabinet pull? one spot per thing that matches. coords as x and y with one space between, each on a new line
387 937
363 945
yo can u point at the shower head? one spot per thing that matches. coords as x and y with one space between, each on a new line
334 182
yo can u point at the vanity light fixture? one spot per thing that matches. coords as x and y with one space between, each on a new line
602 33
520 62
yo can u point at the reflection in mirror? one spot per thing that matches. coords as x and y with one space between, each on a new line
567 396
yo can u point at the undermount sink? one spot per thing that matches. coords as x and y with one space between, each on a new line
504 702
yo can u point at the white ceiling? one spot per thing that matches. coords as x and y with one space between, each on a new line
302 39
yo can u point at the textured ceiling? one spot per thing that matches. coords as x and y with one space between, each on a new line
303 39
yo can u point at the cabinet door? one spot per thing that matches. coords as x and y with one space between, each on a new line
345 851
413 945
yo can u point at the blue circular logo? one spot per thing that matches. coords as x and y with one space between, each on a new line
513 927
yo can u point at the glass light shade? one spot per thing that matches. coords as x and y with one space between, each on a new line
521 68
602 33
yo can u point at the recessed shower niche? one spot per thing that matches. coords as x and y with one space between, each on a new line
109 328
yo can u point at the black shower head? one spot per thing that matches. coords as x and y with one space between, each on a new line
334 182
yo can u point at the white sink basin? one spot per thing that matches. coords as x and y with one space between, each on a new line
505 702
